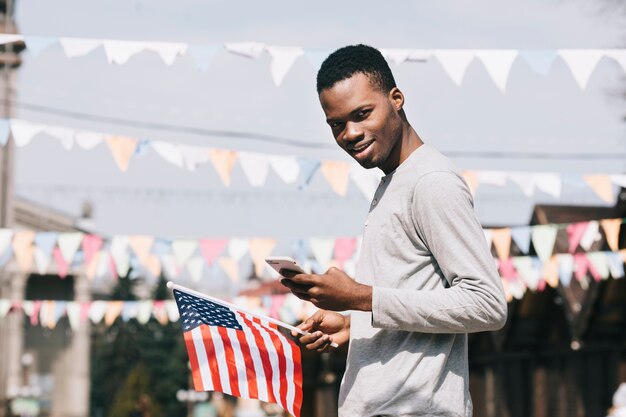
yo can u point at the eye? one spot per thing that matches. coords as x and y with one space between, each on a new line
362 114
335 124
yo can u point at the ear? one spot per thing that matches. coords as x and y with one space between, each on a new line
396 98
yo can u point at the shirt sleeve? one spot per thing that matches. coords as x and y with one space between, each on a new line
474 301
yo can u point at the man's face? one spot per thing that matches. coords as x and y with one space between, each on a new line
365 121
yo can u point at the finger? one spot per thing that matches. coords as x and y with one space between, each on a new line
294 287
320 344
310 338
288 273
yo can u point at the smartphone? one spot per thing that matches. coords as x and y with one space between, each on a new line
284 262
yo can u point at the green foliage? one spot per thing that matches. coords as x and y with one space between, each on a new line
119 351
133 398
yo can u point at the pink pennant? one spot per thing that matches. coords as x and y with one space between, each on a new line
62 266
84 311
582 266
91 245
277 302
344 249
34 317
112 267
575 232
212 248
507 270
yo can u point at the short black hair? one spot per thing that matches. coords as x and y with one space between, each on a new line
349 60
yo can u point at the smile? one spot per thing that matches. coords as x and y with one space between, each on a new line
361 147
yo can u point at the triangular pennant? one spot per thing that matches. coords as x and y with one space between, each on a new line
283 58
144 311
23 132
193 156
619 180
551 271
230 267
44 242
526 271
550 184
170 152
247 49
581 62
119 52
73 314
521 237
566 268
540 61
168 51
611 230
308 168
74 47
195 266
119 254
344 249
224 161
616 264
454 62
497 178
366 180
322 249
259 250
502 242
129 310
237 248
471 179
97 310
122 149
5 306
507 270
526 182
255 166
113 311
396 55
575 232
543 238
10 38
6 236
203 55
88 140
336 173
23 249
591 235
498 63
600 263
286 167
63 134
63 268
69 244
419 55
153 265
601 185
5 130
183 250
37 44
172 310
488 237
91 267
141 247
91 245
212 248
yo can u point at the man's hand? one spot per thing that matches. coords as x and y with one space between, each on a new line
334 290
325 327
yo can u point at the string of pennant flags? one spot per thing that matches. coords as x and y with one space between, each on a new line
290 169
497 62
47 313
134 255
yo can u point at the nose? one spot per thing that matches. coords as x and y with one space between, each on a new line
352 132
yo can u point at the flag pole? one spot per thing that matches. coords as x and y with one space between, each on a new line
173 286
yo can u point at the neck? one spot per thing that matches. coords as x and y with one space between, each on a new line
409 142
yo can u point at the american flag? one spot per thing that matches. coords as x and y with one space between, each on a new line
239 354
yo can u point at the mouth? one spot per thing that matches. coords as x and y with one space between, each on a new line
360 147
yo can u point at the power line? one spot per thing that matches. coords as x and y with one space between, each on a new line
302 144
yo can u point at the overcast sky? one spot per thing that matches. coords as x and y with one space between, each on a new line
537 114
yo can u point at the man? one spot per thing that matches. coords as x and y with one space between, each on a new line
425 276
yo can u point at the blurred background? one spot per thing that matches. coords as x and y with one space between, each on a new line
146 141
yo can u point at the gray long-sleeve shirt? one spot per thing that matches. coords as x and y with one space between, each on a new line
434 280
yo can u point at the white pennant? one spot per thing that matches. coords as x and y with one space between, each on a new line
396 55
600 263
550 184
120 255
526 270
77 47
419 55
498 63
182 250
97 311
36 44
195 266
88 140
102 267
255 166
23 132
42 261
5 306
591 235
616 264
73 314
322 249
144 311
6 237
366 180
497 178
581 62
194 156
7 38
543 238
169 266
168 51
63 134
283 58
172 310
286 167
69 244
619 180
170 152
526 182
454 62
488 237
119 52
237 248
247 49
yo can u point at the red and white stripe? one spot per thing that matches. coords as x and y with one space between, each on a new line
256 362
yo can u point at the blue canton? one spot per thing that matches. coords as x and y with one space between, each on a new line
195 311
